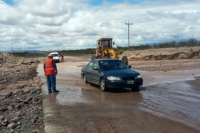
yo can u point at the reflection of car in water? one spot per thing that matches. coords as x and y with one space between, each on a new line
56 56
114 99
111 73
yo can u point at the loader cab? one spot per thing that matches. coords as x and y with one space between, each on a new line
105 42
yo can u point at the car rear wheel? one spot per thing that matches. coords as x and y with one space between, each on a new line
103 85
85 80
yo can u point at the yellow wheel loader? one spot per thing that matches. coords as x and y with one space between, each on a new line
105 50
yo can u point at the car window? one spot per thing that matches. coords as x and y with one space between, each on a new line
90 64
95 64
104 65
112 65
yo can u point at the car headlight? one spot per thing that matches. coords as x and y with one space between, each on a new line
113 78
139 76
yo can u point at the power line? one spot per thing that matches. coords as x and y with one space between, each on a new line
128 33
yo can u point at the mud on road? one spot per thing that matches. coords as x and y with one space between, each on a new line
168 102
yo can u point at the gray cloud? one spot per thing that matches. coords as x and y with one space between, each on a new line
74 24
9 15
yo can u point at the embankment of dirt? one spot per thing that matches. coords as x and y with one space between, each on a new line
20 95
181 55
164 54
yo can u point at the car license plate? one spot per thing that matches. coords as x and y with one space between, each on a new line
130 82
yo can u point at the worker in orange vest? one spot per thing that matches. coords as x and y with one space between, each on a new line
50 70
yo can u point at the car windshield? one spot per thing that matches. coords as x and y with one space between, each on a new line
112 65
55 55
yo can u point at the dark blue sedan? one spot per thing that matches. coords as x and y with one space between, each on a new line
111 74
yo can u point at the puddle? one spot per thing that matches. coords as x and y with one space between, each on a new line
159 77
177 101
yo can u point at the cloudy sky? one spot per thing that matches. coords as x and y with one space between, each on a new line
77 24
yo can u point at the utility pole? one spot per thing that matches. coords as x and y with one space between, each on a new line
12 47
128 33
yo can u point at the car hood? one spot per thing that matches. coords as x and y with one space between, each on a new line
121 73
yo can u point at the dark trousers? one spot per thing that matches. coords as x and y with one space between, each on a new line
51 82
62 59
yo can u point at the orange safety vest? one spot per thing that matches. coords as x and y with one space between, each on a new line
48 67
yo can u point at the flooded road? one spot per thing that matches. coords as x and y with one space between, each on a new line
161 105
177 101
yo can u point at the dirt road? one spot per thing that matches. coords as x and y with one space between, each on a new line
166 103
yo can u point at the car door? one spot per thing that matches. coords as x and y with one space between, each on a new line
95 73
88 70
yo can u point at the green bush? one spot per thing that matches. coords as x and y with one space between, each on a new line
192 42
120 51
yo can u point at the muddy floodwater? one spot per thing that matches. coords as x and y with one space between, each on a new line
168 102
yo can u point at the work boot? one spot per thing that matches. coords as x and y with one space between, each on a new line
56 91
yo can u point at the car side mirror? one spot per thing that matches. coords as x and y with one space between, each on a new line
113 43
95 68
129 66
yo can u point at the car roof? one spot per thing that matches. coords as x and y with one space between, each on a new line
105 59
54 53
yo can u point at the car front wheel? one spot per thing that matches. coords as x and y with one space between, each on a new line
84 79
103 85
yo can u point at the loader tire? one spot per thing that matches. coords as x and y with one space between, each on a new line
125 60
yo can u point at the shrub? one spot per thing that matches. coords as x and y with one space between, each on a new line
120 51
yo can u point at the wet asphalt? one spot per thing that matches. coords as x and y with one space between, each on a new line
168 102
